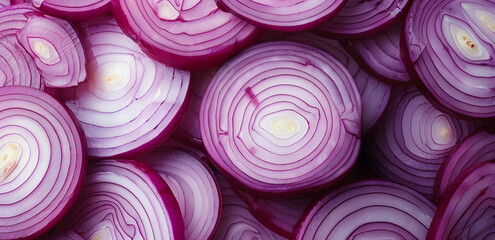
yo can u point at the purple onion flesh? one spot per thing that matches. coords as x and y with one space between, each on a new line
74 9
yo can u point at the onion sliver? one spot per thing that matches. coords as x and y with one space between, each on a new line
282 117
42 161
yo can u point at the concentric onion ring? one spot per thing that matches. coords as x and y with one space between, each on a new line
42 162
371 209
449 48
282 118
74 9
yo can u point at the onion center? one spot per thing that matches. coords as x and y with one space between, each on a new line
112 76
166 11
284 125
44 50
102 234
486 18
10 154
442 130
467 44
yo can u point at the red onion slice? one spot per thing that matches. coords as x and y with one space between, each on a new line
362 19
282 118
194 187
74 9
129 103
57 50
14 17
467 210
380 55
124 199
448 47
189 35
42 162
411 141
371 209
4 3
478 147
291 15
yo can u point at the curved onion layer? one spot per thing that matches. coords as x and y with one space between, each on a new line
282 118
57 50
362 19
42 162
449 49
292 15
194 187
14 17
478 147
374 94
371 209
184 34
467 211
14 2
380 55
129 103
236 222
189 126
124 199
411 141
74 9
279 215
4 3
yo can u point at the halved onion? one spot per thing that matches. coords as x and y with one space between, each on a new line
194 187
42 162
282 118
413 138
288 15
56 48
478 147
74 9
124 199
129 103
189 35
468 208
449 50
371 209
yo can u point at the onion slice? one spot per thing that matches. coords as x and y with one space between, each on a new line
448 48
42 162
282 118
361 19
478 147
289 15
194 187
129 103
73 9
467 210
190 35
4 3
370 209
57 50
410 142
124 199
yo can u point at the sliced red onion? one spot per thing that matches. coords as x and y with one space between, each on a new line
14 17
57 50
74 9
4 3
448 46
282 118
467 210
371 209
184 34
129 103
292 15
124 199
374 94
189 126
194 187
236 222
380 55
364 18
478 147
413 138
42 162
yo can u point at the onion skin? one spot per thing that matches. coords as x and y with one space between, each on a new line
124 199
466 212
289 16
243 106
453 78
474 149
368 209
198 37
74 9
45 178
410 142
